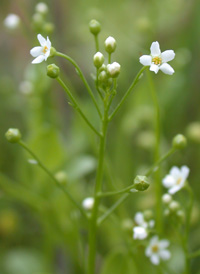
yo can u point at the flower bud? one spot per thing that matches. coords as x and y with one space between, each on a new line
38 21
53 71
166 198
113 69
61 177
179 141
48 27
181 215
94 27
103 77
41 8
174 206
12 21
88 203
13 135
98 59
148 214
193 132
52 52
141 183
110 44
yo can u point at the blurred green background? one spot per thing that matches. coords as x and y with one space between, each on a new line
40 231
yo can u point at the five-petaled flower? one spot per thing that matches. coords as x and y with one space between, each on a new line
176 178
41 53
157 60
156 250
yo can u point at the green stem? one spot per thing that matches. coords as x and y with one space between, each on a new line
112 208
135 81
97 83
96 42
82 78
109 58
112 193
194 254
158 186
76 106
98 187
42 166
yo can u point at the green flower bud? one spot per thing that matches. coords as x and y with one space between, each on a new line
61 177
113 69
110 44
148 215
38 20
181 215
103 77
166 198
41 8
53 71
94 26
98 59
193 132
13 135
179 141
48 28
174 206
141 183
52 52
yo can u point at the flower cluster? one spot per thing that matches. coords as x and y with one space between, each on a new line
140 231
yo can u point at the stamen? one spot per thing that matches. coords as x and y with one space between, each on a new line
178 181
154 248
157 60
45 49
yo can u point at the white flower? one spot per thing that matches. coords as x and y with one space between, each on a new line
41 8
157 60
88 203
12 21
113 69
176 178
139 233
156 250
41 53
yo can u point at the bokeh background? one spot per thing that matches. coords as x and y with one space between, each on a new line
40 231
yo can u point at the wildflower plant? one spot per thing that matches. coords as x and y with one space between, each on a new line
148 227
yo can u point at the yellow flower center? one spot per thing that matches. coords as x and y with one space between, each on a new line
154 248
157 60
178 181
45 49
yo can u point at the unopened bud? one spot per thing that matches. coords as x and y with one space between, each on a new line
98 59
41 8
13 135
166 198
61 177
48 27
103 77
141 183
12 21
174 206
110 44
181 215
179 141
88 203
52 52
113 69
148 214
94 26
53 71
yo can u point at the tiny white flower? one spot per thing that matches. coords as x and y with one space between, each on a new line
157 60
41 8
166 198
176 178
12 21
139 219
139 233
157 250
113 69
88 203
41 53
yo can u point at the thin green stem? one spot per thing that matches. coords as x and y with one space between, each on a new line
98 187
109 58
76 106
96 42
194 254
112 193
135 81
43 167
97 84
158 186
82 78
112 208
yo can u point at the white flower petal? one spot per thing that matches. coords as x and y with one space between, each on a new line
174 189
168 181
47 54
139 233
167 69
39 59
185 171
154 240
42 40
154 68
175 172
155 49
139 218
155 259
165 254
167 56
148 251
163 243
48 43
36 51
145 60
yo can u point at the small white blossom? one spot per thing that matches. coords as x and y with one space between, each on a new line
110 44
166 198
41 53
12 21
157 251
139 233
88 203
113 69
176 178
157 60
98 59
